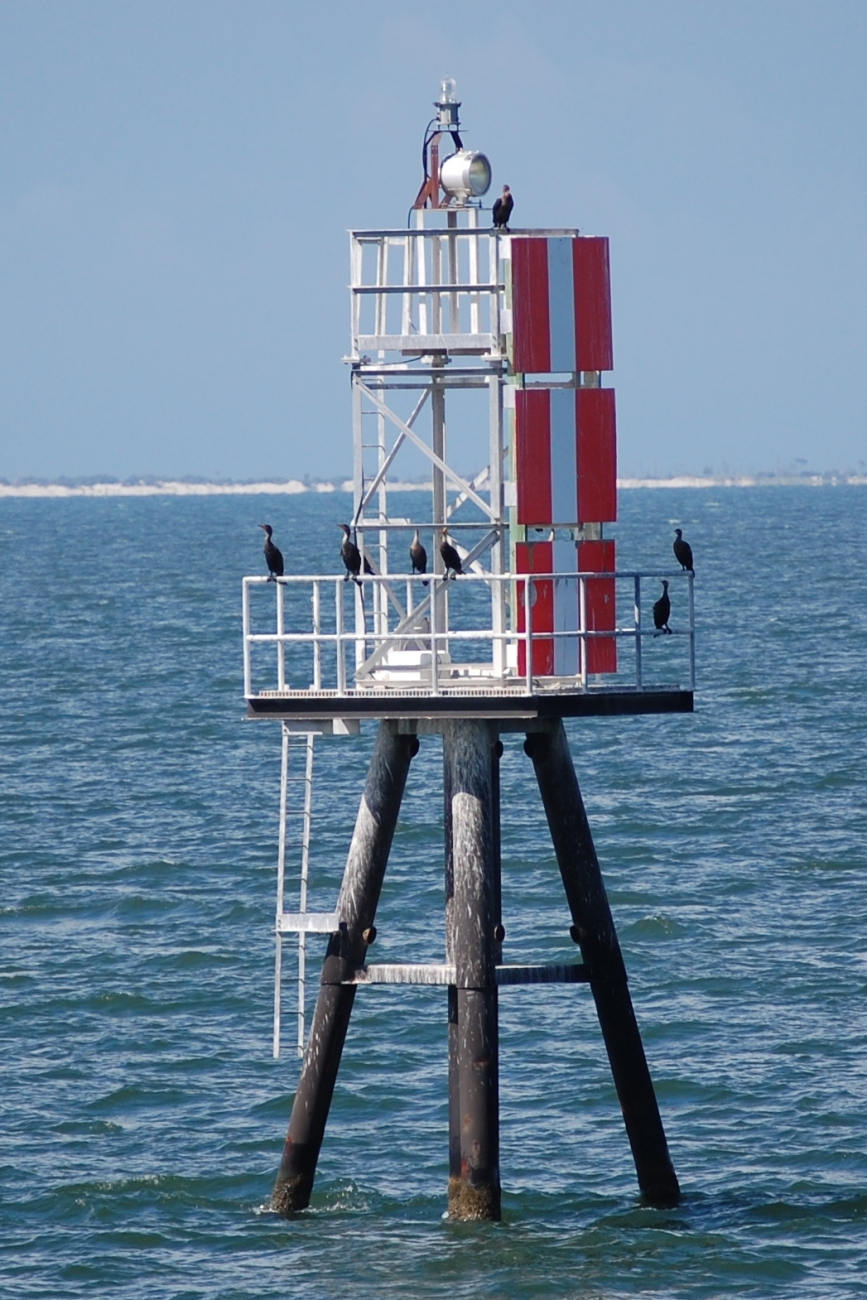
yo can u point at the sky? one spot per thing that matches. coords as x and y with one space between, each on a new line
179 178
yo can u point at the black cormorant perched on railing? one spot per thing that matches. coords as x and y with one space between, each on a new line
503 209
273 556
662 611
418 556
451 559
350 555
683 552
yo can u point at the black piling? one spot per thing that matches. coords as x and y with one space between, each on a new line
474 935
593 928
454 1076
356 906
472 938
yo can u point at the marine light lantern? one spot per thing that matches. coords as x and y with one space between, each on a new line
448 104
465 175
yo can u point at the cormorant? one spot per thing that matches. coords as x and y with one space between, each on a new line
451 559
273 557
683 552
503 209
662 611
350 555
418 556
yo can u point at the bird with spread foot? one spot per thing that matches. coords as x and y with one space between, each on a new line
273 557
503 209
683 552
418 556
451 559
662 611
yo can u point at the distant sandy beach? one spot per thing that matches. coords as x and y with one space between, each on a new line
294 487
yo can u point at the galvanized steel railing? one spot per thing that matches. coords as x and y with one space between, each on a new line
423 289
359 657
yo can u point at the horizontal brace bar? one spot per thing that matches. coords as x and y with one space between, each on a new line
481 342
460 232
455 527
408 973
450 382
422 289
439 973
484 366
447 637
334 579
308 923
398 236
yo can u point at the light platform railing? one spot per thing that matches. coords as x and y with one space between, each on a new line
328 637
419 291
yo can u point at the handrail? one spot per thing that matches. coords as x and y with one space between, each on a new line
448 288
455 286
374 647
259 579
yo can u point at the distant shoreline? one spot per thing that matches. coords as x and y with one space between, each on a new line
295 487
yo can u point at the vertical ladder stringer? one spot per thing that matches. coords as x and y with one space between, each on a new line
302 922
305 875
281 879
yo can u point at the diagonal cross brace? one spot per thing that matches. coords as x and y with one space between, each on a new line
386 464
405 628
477 482
451 474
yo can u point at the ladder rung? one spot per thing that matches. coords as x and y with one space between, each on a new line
309 922
443 973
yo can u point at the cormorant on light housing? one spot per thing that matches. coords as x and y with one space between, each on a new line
462 177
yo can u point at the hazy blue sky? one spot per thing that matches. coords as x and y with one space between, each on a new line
178 178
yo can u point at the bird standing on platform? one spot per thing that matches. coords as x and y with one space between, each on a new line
662 611
418 556
503 209
273 557
683 552
451 559
350 555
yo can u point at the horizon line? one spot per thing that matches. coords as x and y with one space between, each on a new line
152 486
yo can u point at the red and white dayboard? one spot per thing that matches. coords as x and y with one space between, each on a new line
561 305
565 456
556 607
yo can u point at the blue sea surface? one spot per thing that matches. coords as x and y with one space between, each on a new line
142 1114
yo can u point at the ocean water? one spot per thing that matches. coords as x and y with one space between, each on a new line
142 1114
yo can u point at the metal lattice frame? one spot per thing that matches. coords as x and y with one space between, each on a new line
423 299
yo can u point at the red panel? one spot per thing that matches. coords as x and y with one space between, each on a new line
531 327
592 304
597 455
533 455
537 557
600 606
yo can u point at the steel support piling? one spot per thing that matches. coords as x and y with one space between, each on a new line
356 907
472 940
593 928
474 934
